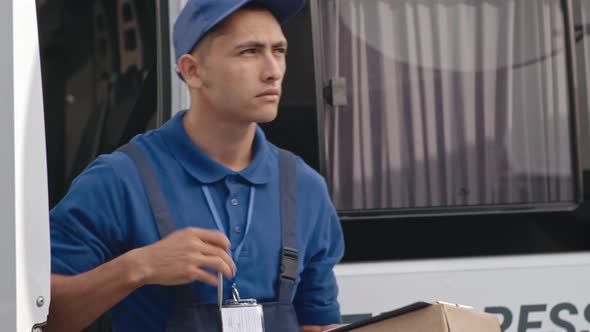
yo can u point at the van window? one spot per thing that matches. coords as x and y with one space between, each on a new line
445 104
99 74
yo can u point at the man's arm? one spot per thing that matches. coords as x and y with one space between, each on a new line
316 298
76 301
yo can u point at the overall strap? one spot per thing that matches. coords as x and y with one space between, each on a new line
288 204
158 205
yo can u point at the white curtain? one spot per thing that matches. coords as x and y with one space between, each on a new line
450 103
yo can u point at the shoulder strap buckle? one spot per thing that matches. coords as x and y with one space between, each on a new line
289 260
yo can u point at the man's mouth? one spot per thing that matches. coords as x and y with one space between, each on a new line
269 92
269 95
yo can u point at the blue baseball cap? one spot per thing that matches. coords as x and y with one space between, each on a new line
200 16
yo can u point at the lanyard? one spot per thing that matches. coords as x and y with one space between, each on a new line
213 210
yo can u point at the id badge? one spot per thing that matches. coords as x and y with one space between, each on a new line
239 315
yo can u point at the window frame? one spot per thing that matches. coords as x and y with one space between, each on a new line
164 65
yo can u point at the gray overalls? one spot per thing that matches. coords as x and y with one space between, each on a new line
191 316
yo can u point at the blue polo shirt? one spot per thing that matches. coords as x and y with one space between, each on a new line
106 213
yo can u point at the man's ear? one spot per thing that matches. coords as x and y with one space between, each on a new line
188 67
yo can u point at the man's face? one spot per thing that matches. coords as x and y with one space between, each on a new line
242 67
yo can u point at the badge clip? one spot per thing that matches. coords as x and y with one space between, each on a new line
237 301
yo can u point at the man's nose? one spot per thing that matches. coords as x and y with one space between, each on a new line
274 68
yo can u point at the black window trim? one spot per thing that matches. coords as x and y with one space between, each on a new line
163 44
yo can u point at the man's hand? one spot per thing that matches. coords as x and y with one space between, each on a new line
314 328
181 257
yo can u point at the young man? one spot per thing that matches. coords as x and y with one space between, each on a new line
144 231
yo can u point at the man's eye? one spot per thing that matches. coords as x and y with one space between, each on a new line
249 51
281 50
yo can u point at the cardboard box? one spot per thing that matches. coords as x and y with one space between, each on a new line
426 317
